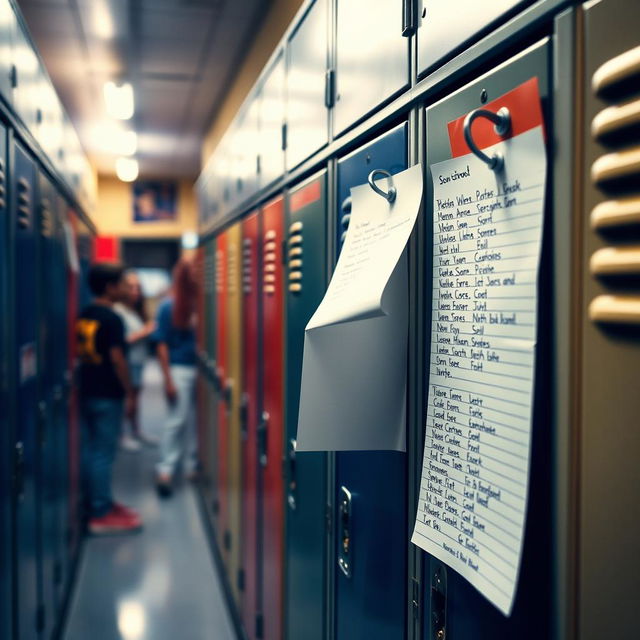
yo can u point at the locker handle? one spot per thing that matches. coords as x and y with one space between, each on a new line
291 474
18 471
502 122
244 416
262 433
345 540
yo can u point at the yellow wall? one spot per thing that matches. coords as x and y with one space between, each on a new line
114 213
269 34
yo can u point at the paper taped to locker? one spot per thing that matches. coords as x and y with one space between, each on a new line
353 391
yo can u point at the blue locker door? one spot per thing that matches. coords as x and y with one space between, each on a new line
370 491
27 553
5 439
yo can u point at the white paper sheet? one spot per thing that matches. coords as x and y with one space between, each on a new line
354 364
487 237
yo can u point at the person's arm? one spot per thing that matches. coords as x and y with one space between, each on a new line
143 333
163 357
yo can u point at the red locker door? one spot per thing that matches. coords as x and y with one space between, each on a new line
271 425
250 413
222 505
201 384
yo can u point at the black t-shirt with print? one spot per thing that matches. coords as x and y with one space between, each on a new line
98 330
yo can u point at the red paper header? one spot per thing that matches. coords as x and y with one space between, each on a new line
524 106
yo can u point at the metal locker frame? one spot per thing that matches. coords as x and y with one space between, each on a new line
234 398
272 131
221 506
373 62
606 323
251 287
448 36
271 427
372 479
466 612
307 84
24 340
305 472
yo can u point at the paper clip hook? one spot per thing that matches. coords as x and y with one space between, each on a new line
389 195
502 122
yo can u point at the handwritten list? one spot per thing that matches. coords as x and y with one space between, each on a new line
487 230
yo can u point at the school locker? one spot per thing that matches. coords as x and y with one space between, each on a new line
201 383
456 608
372 58
7 28
271 427
305 472
370 516
6 444
271 117
25 345
307 115
609 319
48 378
250 413
233 396
221 505
440 36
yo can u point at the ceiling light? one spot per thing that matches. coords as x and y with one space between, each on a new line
189 240
112 138
119 100
127 169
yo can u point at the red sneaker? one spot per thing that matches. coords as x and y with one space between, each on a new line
124 510
114 522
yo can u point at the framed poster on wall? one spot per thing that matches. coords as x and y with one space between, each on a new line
155 201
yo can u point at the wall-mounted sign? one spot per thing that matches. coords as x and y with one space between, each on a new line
155 201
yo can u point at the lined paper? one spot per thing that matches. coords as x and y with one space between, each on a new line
487 232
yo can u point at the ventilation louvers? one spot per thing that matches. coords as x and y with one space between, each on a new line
3 185
246 266
24 204
616 174
46 218
270 261
295 257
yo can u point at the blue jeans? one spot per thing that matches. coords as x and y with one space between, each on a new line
102 421
179 437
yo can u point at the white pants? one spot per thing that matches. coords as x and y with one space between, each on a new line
179 437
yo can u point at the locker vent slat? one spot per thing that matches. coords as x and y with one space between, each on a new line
617 174
296 251
24 204
3 187
232 268
270 261
247 264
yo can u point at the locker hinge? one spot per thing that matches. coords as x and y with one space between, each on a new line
240 579
57 573
284 136
40 618
410 20
227 540
328 518
330 88
259 625
415 597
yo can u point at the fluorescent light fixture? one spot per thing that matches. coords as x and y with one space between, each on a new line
119 100
112 138
189 240
127 169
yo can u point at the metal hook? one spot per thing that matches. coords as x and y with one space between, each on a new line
502 121
390 195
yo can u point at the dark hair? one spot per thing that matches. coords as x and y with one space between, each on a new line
185 293
140 306
102 274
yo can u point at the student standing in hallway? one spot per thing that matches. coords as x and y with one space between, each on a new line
176 338
106 396
138 329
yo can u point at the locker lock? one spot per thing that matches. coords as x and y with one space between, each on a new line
345 541
291 474
262 433
244 415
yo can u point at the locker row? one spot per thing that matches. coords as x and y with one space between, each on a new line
339 61
316 545
29 94
46 245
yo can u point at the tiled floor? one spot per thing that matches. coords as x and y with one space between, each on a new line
160 584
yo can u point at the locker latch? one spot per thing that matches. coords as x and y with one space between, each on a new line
345 540
438 602
262 438
409 17
291 474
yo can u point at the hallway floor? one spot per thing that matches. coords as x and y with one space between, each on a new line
159 584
